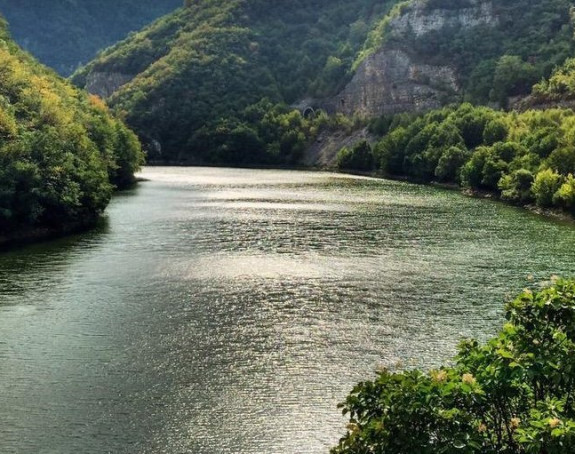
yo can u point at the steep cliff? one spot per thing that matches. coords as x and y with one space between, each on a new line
427 53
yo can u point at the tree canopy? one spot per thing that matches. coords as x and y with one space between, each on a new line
61 151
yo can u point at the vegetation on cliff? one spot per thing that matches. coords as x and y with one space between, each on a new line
560 87
195 72
512 395
61 152
514 44
64 34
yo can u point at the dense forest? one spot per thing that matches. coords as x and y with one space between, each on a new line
64 34
196 74
198 71
61 152
525 158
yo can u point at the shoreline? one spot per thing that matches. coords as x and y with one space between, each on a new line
41 234
37 235
550 213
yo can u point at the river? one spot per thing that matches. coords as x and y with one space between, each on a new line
229 311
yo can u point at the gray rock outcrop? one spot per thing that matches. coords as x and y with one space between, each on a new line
104 84
395 78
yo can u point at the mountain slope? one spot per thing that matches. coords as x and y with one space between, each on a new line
64 34
428 53
61 152
186 81
200 67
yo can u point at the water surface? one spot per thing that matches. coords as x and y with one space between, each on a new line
229 311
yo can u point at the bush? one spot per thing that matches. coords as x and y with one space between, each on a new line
565 195
512 395
547 182
516 187
360 157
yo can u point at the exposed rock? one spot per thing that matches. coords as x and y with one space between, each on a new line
391 81
323 153
419 19
104 84
521 104
395 79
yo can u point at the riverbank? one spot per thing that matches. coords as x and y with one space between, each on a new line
39 234
553 213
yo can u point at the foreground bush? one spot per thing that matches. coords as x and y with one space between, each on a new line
513 395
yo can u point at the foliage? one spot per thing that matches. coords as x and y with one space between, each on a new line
61 152
64 34
547 182
511 395
359 157
561 84
523 157
198 69
522 44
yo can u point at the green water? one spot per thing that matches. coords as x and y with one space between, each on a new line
229 311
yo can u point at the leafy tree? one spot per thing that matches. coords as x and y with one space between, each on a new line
512 395
61 152
546 183
495 131
516 186
565 195
359 157
449 165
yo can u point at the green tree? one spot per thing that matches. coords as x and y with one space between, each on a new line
516 187
513 394
546 183
359 157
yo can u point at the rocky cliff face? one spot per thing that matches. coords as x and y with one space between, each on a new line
395 79
104 84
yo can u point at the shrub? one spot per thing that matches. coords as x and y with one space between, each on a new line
547 182
511 395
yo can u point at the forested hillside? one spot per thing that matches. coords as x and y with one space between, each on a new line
196 71
61 152
186 83
64 34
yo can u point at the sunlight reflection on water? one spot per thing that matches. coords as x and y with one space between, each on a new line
229 311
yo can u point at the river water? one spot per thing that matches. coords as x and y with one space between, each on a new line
229 311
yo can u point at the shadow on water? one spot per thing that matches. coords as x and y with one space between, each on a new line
36 267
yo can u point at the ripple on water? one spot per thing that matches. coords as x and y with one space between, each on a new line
228 311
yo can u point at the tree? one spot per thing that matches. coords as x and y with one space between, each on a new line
512 395
516 187
547 182
359 157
